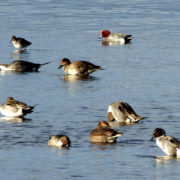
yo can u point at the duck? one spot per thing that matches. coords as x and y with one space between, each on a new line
19 42
59 141
13 108
104 134
115 37
122 112
78 67
21 66
168 144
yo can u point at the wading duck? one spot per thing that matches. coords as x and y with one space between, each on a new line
78 67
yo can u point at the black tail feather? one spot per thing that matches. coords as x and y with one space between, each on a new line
45 63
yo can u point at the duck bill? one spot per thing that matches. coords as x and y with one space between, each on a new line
60 67
152 138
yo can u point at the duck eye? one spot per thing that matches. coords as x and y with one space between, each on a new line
172 140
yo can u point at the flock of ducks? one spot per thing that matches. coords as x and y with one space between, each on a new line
117 111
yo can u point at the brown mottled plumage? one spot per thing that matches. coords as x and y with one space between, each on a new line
104 134
78 67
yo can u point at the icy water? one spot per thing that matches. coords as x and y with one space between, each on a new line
145 74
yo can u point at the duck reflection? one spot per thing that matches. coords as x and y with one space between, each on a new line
14 119
106 43
4 73
120 124
103 146
20 53
74 78
166 160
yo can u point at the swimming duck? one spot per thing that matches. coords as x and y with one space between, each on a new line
104 134
78 67
115 37
168 144
21 66
20 43
59 141
13 108
122 112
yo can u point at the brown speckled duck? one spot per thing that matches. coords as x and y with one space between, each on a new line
104 134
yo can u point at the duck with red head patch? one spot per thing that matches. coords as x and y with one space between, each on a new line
115 37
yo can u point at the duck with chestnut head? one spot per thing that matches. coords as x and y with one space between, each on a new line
168 144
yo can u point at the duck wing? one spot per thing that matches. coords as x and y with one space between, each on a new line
24 41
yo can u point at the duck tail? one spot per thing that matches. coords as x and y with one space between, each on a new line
33 106
99 68
45 63
128 38
119 134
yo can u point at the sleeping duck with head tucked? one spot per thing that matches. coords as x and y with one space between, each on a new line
122 112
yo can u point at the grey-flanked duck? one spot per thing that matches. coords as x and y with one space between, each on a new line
115 37
21 66
13 108
168 144
122 112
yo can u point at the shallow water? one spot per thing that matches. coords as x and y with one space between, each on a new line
144 73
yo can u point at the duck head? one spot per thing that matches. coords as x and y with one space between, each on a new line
105 33
158 132
64 62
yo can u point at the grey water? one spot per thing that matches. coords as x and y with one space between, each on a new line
144 73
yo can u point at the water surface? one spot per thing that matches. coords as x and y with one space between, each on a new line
144 74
